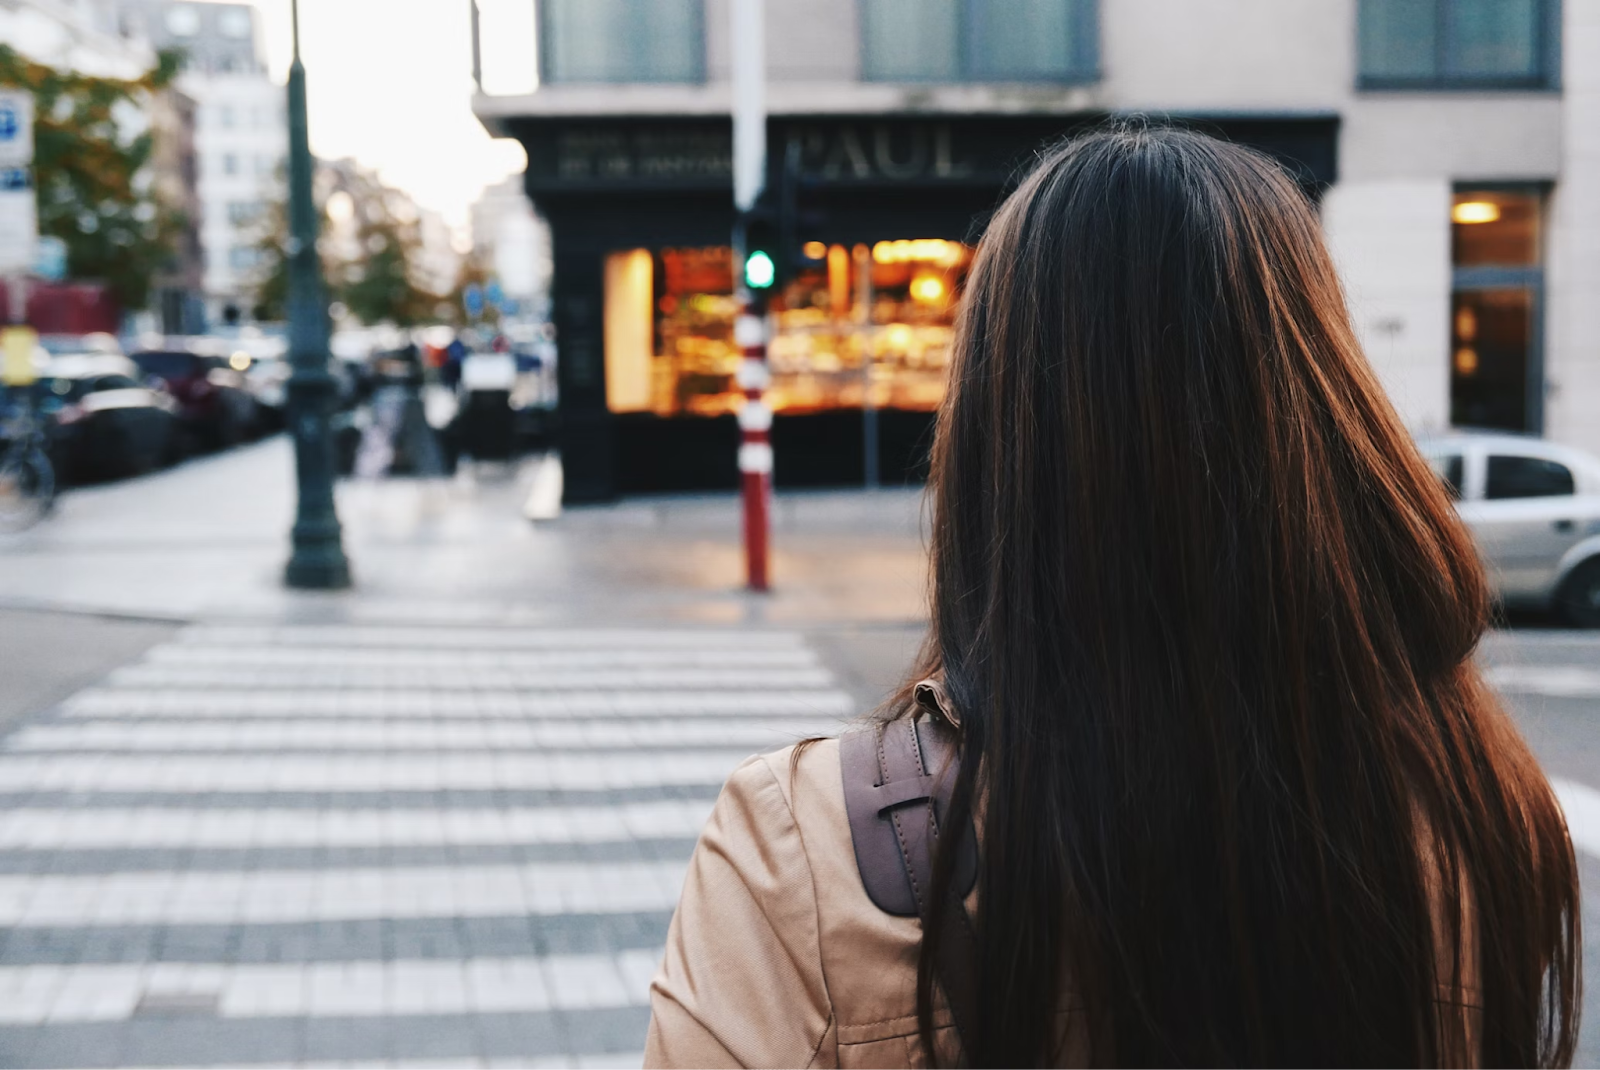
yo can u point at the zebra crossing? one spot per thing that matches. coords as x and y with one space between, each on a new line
367 845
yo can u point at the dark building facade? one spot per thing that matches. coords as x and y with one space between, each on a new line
911 192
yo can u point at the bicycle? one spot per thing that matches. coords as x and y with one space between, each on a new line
27 478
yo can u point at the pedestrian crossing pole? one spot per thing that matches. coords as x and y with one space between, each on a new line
750 329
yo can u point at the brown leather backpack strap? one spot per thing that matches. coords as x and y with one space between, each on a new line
898 780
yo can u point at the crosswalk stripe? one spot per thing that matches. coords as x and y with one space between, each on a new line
557 1062
60 994
1582 806
470 771
156 674
222 897
486 638
155 827
413 734
388 657
423 702
1554 681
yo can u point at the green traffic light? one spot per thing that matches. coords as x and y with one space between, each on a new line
759 271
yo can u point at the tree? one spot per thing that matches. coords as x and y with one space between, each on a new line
91 172
369 246
379 286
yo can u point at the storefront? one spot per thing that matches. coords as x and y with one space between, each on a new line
889 209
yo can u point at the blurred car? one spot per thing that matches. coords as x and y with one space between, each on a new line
98 342
214 401
103 422
1534 508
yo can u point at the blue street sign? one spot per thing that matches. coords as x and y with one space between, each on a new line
472 298
494 294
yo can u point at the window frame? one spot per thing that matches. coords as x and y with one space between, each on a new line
697 34
1085 15
1547 49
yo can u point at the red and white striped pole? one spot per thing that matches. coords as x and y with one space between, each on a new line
749 65
755 437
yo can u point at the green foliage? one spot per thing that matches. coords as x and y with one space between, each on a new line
378 287
368 258
92 180
272 264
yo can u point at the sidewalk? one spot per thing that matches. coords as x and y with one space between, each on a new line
208 541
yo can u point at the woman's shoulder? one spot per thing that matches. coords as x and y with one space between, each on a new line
805 775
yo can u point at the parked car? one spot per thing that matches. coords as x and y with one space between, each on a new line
103 421
1534 508
214 401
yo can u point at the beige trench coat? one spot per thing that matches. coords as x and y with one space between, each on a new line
776 957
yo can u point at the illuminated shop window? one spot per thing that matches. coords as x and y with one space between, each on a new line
868 325
1496 355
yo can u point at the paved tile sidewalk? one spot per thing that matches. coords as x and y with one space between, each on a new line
378 845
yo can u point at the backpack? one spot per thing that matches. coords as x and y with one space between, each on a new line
898 779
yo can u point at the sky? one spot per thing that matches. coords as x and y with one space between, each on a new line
389 82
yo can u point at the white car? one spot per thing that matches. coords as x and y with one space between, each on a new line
1534 509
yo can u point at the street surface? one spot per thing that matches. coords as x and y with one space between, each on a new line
442 819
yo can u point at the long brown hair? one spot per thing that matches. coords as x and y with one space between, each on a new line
1208 618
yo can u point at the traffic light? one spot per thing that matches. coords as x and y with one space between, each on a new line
762 250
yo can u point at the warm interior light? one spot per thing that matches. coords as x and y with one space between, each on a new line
814 250
1466 324
926 250
927 288
1475 212
239 361
1466 361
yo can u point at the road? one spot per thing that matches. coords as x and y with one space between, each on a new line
399 828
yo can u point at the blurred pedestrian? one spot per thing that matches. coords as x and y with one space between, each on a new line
1199 674
450 367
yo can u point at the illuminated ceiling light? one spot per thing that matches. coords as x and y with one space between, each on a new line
1475 212
239 361
1466 361
814 250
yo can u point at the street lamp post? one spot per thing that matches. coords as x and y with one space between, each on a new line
317 559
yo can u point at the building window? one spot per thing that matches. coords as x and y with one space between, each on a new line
1466 44
864 327
243 257
621 41
234 22
1496 363
183 20
225 116
243 213
230 164
979 41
